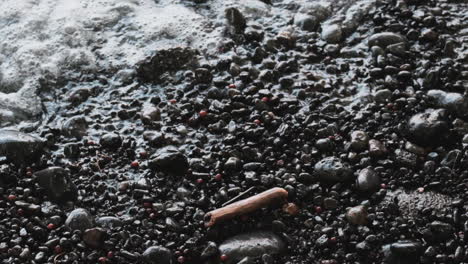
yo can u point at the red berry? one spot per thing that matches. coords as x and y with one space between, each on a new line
29 173
20 212
265 99
90 142
333 239
110 254
218 177
331 137
147 205
143 154
383 186
223 258
173 101
135 164
58 249
153 215
318 209
232 86
11 197
50 226
199 181
258 122
420 189
102 260
203 113
181 259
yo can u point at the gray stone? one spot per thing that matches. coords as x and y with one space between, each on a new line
110 222
79 219
251 245
111 141
357 215
385 39
332 169
57 183
368 180
332 33
75 127
454 102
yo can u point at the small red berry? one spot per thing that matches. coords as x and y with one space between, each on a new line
50 226
265 99
218 177
203 113
181 259
102 260
333 239
153 215
173 101
383 186
135 164
58 249
90 142
331 137
29 173
110 254
200 181
147 205
143 154
420 189
232 86
223 258
258 122
11 197
318 209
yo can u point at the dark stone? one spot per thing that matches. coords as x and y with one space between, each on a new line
235 20
332 169
94 237
75 127
111 141
170 160
19 147
109 222
442 231
57 183
368 181
402 252
210 250
165 60
157 255
429 128
252 245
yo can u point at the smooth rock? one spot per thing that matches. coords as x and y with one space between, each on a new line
332 33
251 245
359 140
19 147
157 255
75 127
57 183
402 252
79 219
111 141
368 181
385 39
454 102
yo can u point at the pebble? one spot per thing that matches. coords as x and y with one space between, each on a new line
385 39
251 245
157 255
402 252
79 219
94 237
428 128
332 169
357 215
368 181
359 140
57 183
169 159
19 147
